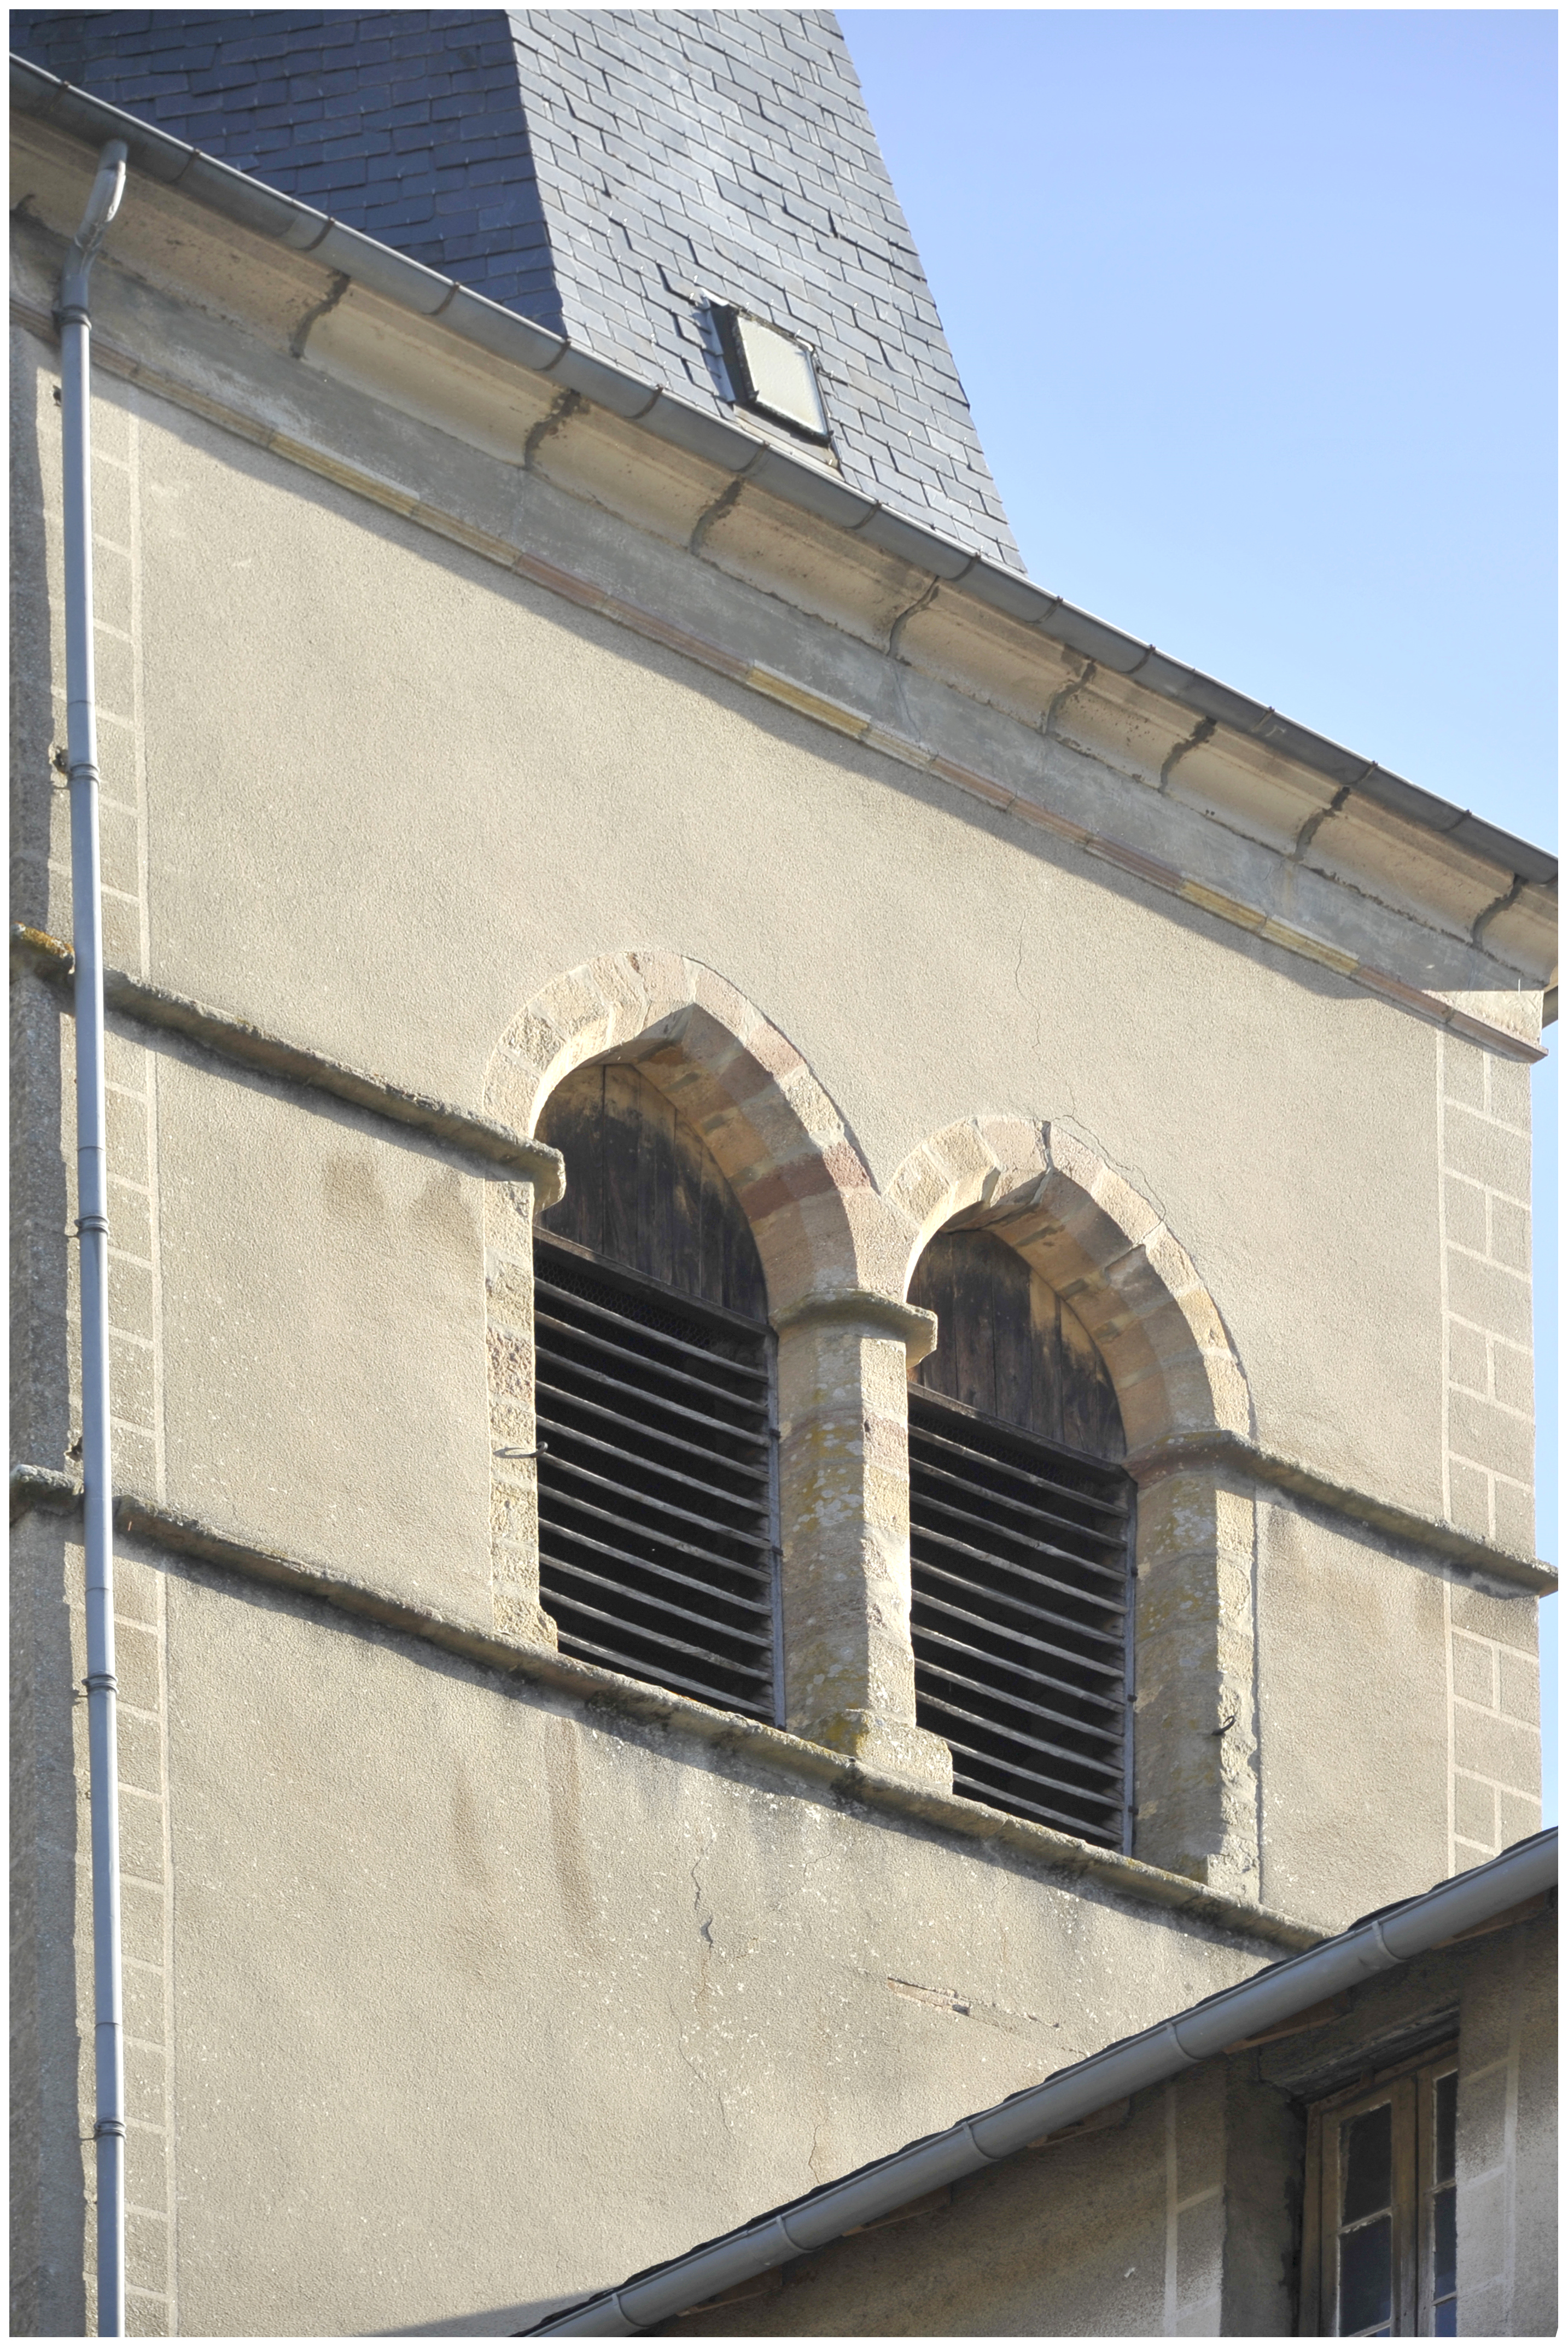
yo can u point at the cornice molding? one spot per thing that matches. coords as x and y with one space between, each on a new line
263 212
982 629
1257 921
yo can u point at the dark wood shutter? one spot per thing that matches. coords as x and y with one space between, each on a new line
1021 1549
644 1191
1009 1347
654 1365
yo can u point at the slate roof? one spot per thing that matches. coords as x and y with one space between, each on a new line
601 171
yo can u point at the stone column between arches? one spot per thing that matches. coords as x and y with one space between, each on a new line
844 1362
1194 1720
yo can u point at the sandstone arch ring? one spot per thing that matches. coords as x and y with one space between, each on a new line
1103 1248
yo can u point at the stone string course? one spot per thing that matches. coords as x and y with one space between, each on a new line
976 1165
163 1539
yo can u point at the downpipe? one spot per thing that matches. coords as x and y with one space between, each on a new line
92 1225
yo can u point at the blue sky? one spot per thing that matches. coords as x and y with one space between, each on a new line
1255 309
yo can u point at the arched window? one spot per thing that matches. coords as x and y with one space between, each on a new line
1020 1525
653 1382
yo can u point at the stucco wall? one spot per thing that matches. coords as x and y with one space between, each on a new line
1392 1700
448 2000
323 1334
1182 2213
391 793
385 794
1506 2141
1119 2233
368 791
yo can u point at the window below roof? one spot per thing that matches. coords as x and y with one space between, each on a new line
1379 2258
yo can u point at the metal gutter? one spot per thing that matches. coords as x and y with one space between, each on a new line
1380 1942
509 336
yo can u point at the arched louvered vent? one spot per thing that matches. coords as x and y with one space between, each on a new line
1019 1537
653 1373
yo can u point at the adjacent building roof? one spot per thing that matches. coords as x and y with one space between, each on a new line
608 173
1377 1942
653 407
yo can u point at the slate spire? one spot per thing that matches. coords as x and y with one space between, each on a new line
612 173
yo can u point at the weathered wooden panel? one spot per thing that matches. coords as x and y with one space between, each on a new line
1008 1345
1091 1417
642 1188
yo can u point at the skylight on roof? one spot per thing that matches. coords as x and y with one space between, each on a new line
771 372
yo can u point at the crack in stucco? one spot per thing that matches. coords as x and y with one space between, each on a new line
713 514
1499 905
1319 816
912 611
1061 696
696 2069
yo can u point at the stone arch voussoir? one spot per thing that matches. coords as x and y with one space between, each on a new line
783 1146
1103 1248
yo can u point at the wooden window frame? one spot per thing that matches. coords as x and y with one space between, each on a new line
1409 2089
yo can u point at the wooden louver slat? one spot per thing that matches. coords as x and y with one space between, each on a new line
1020 1558
655 1481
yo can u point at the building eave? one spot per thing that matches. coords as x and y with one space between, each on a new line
1377 1943
274 324
506 335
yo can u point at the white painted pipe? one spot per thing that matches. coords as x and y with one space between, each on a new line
1376 1944
92 1224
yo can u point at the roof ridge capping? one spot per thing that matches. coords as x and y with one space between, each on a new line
1377 1943
508 335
